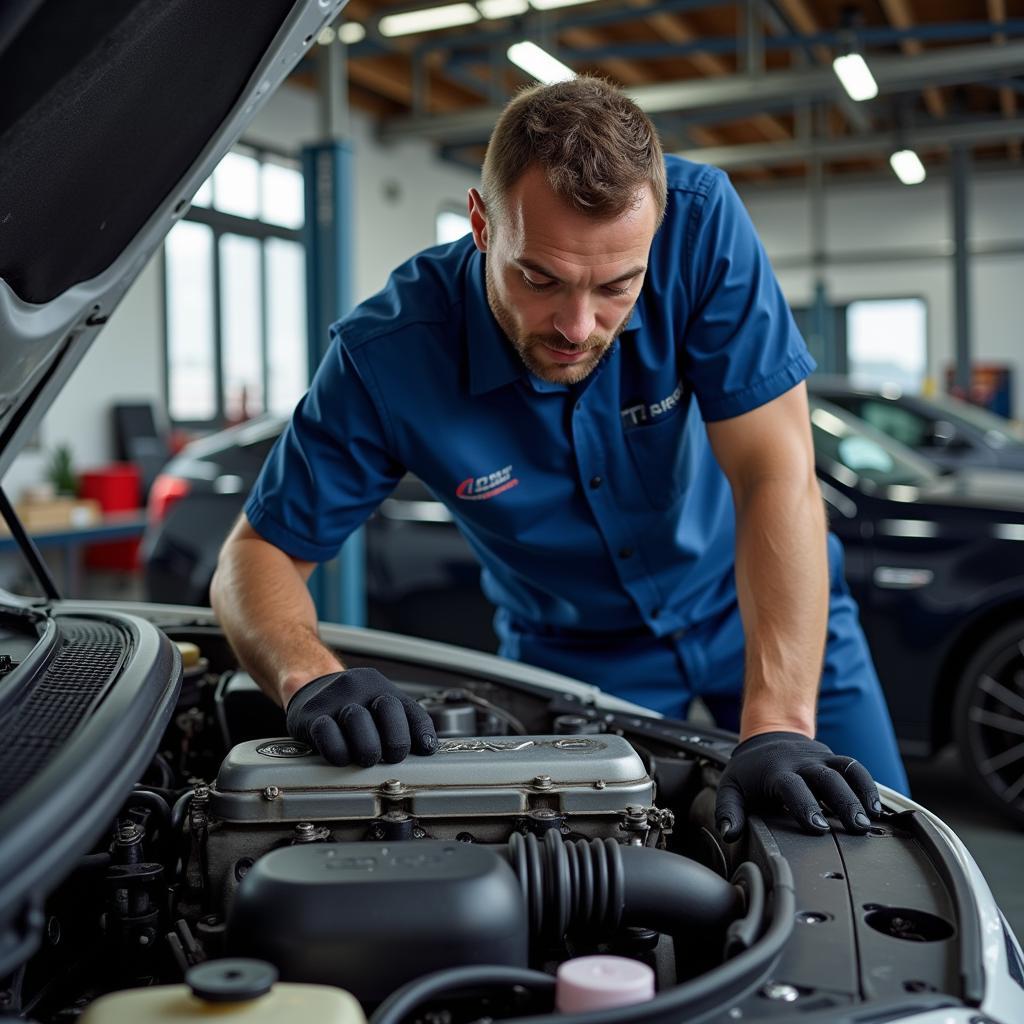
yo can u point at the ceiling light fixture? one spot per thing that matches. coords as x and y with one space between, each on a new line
351 32
539 63
853 71
908 167
428 19
547 5
502 8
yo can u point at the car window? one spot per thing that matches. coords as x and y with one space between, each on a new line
900 423
871 455
999 432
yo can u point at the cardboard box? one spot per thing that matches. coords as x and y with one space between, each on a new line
56 514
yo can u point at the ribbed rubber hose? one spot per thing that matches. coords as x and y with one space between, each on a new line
599 885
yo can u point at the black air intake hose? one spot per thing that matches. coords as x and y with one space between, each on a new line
600 885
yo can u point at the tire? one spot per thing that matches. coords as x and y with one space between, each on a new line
988 720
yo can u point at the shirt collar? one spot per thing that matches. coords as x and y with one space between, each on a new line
492 360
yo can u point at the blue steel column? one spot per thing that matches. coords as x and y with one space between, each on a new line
821 318
338 587
961 266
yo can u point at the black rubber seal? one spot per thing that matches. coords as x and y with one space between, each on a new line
231 981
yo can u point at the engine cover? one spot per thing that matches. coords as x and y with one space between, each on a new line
281 780
277 792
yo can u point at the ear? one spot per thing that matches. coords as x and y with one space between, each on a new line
478 219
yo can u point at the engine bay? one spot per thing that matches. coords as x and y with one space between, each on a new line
545 829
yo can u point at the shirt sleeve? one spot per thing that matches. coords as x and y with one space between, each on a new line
743 347
329 469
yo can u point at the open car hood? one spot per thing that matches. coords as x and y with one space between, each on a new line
113 115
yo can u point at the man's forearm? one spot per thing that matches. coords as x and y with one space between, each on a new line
782 584
265 608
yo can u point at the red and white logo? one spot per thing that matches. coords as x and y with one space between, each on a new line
480 488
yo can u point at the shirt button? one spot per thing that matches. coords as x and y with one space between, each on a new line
595 482
655 612
626 552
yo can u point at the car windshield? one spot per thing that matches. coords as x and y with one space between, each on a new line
999 432
842 439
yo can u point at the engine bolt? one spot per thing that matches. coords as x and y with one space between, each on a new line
307 832
542 781
271 793
780 991
128 833
392 786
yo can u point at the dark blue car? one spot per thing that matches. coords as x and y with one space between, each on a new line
952 433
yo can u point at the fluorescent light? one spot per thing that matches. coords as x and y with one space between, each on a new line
327 36
908 167
351 32
428 19
502 8
539 63
547 5
854 73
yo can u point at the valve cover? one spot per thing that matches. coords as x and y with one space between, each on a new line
283 780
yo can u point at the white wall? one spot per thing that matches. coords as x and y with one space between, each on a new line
873 218
399 190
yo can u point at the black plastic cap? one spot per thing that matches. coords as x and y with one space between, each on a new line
231 981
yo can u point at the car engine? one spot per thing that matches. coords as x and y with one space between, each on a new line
228 869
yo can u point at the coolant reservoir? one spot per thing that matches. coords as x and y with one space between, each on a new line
229 991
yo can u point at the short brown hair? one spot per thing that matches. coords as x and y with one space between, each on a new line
597 147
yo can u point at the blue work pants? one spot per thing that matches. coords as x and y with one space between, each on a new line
706 661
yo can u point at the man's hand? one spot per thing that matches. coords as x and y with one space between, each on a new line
359 716
775 770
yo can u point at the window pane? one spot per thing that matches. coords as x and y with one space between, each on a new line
288 373
191 380
451 226
887 343
282 195
899 423
205 194
241 326
236 184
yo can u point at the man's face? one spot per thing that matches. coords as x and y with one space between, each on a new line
561 285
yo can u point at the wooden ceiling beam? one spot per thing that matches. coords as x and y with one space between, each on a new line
900 16
391 77
804 21
675 29
627 72
1007 96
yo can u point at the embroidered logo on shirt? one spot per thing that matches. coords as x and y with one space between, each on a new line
634 415
480 488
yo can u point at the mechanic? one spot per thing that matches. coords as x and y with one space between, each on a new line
604 384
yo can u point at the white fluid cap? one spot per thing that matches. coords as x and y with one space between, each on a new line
598 982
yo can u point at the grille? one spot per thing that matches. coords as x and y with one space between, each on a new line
90 656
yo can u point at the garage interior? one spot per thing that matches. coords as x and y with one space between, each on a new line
894 222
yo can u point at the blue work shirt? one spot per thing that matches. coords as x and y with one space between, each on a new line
595 506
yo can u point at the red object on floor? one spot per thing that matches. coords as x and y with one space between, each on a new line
116 488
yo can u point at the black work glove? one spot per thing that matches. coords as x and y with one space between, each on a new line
777 770
360 716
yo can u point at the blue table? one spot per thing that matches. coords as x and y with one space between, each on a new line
70 540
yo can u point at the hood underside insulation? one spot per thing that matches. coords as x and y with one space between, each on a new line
105 107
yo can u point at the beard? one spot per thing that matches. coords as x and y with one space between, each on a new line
531 347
